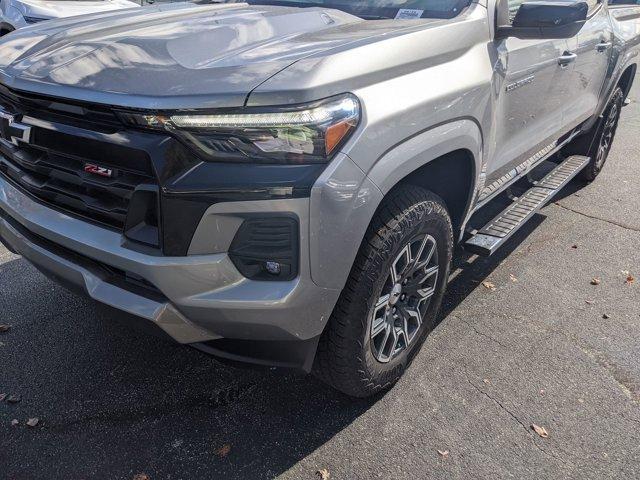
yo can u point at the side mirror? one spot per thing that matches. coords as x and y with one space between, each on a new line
547 19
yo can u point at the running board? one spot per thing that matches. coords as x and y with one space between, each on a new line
495 233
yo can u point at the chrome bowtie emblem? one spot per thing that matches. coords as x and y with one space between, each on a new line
12 130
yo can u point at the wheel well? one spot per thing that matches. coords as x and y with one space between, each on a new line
5 28
626 79
451 178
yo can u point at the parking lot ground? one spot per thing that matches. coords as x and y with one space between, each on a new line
543 346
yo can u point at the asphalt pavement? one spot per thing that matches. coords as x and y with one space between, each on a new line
525 338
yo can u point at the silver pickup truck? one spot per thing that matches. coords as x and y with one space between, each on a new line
283 182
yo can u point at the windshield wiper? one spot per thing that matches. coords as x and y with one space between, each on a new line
288 3
371 17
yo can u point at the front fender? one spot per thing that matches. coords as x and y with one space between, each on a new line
344 198
343 201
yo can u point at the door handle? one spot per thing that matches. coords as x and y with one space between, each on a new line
566 58
603 46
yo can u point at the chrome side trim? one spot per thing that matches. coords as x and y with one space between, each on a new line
515 174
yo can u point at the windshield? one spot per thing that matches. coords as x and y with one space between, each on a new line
375 9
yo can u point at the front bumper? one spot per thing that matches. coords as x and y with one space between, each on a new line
196 299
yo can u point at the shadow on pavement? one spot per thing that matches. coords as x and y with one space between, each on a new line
113 399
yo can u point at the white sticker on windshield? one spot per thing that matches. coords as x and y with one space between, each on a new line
408 14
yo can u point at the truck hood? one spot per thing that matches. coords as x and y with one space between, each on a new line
60 9
173 55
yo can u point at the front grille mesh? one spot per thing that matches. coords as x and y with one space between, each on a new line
51 167
62 181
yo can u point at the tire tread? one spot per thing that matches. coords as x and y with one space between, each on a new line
339 359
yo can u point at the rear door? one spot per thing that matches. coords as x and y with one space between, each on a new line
593 47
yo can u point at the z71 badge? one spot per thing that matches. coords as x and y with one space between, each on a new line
98 170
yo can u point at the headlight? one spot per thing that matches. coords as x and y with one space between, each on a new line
306 134
32 20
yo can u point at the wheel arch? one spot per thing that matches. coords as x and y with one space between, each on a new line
451 177
623 78
445 159
5 28
626 79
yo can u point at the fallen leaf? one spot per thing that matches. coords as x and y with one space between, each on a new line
489 285
14 422
443 453
14 398
606 316
324 474
4 328
223 451
595 281
32 422
141 476
630 279
539 430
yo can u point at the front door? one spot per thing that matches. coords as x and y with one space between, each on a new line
531 84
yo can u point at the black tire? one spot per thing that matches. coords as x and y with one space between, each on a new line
347 358
596 144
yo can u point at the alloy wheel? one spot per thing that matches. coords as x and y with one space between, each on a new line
405 298
608 131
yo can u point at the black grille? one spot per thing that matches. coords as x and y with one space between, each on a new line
62 181
51 166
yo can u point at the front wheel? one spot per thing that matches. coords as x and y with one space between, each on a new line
392 296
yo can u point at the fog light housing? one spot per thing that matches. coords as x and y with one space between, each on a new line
267 248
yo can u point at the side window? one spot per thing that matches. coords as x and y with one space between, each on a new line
514 6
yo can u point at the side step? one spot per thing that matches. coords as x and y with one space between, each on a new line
495 233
